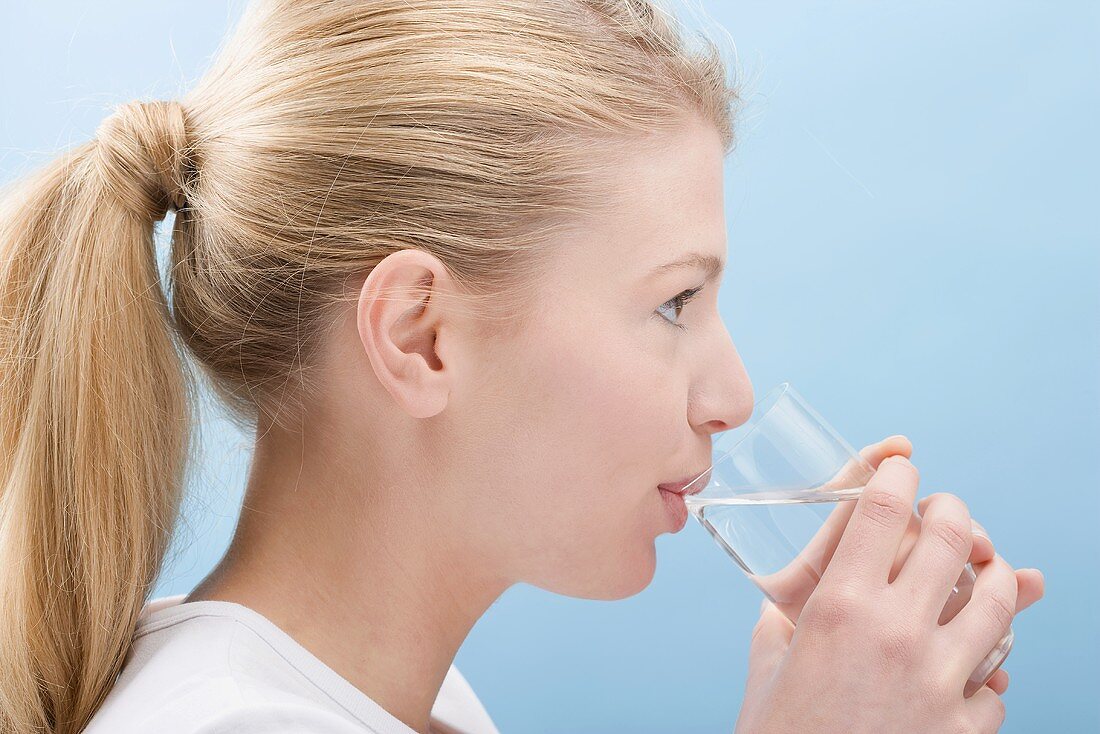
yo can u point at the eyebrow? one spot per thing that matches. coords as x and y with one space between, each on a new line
710 264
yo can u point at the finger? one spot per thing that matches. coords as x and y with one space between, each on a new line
982 548
794 583
986 618
986 710
770 639
870 542
937 560
1031 587
998 681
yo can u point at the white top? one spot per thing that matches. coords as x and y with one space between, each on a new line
218 667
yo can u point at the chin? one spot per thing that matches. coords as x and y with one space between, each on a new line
610 582
626 586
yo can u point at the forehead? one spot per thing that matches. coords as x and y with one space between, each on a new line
663 203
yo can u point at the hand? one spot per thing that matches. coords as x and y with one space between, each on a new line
857 634
1029 582
790 587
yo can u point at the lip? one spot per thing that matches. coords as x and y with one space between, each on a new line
678 487
676 509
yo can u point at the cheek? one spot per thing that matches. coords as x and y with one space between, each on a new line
607 423
611 411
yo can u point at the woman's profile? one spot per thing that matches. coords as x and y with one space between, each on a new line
455 265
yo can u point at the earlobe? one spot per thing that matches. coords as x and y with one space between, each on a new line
398 325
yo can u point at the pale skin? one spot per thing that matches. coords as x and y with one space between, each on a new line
793 584
439 468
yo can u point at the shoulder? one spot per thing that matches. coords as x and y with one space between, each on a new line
273 718
209 675
241 718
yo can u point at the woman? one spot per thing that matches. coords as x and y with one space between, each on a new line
439 257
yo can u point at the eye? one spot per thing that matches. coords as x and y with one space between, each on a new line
678 302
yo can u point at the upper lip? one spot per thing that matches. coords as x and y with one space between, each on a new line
678 486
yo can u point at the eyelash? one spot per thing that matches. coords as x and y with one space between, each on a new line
682 299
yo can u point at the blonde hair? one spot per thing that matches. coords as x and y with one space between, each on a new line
324 136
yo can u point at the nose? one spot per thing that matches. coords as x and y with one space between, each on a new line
723 395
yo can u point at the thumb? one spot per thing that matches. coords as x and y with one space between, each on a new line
770 639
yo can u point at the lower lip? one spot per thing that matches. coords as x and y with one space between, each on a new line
677 509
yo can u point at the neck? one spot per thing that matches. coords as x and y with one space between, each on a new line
366 582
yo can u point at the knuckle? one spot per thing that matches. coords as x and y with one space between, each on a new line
897 644
829 608
999 601
883 508
954 534
961 725
932 691
1000 608
1004 568
992 721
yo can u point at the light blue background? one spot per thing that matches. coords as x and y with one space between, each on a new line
913 235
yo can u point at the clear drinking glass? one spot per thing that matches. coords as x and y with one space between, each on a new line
778 496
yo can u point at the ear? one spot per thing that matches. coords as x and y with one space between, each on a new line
398 318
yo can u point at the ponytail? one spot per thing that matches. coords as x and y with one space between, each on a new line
95 422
